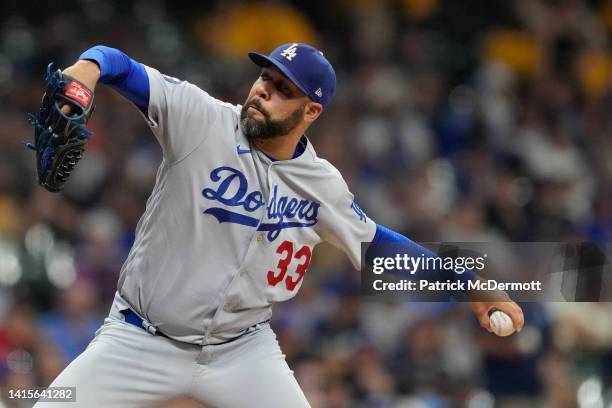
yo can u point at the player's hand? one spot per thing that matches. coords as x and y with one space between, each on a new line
482 311
60 132
85 71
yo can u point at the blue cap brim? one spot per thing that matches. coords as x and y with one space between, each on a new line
265 61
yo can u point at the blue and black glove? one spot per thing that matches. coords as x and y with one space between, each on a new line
60 137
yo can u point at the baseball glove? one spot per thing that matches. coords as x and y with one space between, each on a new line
59 138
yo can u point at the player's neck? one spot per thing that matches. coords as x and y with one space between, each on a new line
279 148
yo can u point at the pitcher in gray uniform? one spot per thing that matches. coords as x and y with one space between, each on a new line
240 201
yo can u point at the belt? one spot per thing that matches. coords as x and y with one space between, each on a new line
132 318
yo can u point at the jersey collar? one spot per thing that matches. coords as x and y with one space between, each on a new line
301 147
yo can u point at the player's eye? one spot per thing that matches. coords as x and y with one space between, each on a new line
285 90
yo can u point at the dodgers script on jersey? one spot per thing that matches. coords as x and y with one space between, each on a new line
238 229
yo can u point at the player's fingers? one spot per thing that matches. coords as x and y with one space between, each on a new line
515 312
517 317
485 320
66 109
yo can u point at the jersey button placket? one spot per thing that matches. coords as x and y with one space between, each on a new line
229 307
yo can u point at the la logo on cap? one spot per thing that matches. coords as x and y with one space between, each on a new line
290 52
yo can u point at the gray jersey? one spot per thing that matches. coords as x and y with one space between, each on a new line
227 231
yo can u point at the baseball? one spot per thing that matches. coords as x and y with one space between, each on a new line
501 323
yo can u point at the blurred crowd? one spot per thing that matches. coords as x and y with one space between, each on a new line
468 120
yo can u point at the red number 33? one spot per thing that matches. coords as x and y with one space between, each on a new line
286 251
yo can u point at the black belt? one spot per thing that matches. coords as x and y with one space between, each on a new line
132 318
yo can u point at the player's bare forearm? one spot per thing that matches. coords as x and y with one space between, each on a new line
85 71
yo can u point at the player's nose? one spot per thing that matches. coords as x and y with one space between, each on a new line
261 91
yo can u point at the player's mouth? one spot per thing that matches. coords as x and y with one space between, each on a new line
255 105
254 111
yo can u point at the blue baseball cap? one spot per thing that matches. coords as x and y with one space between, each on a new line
305 66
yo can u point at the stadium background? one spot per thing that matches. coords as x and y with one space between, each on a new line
465 120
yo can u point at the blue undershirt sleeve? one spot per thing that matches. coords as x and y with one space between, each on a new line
414 250
126 76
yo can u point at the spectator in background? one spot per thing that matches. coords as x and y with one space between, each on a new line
19 337
513 365
235 28
18 332
72 325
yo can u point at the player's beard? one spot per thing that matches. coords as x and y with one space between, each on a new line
268 128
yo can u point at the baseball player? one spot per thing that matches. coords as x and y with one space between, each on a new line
240 201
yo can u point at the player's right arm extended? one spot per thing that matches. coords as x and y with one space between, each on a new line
114 68
403 245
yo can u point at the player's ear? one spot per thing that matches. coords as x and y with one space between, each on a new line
312 110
